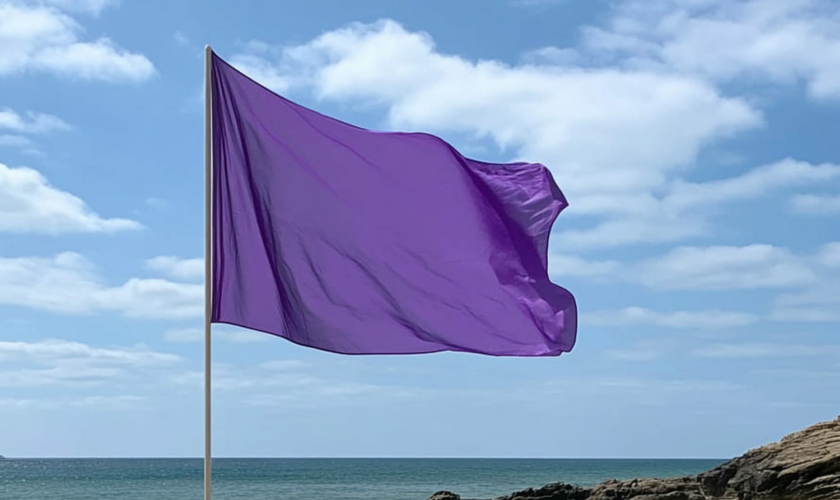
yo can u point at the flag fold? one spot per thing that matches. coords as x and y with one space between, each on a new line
353 241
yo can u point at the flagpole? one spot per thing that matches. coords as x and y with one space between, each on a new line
208 260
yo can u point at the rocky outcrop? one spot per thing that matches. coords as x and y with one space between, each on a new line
803 466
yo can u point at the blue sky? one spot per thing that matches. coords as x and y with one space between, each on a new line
695 140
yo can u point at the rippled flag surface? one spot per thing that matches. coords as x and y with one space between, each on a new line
361 242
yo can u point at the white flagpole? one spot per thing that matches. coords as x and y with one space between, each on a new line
208 259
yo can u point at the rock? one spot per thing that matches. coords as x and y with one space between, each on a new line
648 489
557 491
802 466
445 495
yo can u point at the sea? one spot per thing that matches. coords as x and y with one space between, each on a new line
312 479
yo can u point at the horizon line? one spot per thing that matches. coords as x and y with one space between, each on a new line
347 458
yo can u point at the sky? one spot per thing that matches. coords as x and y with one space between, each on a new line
695 141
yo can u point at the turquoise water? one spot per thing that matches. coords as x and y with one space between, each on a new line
311 479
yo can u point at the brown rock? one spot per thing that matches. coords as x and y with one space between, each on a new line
648 489
802 466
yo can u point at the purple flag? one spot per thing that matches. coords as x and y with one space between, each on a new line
360 242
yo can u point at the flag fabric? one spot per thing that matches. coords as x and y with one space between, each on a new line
354 241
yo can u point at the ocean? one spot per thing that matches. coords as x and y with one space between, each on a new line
311 479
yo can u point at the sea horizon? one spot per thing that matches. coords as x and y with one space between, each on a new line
257 457
312 478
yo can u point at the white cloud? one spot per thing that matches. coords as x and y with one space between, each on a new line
30 122
750 185
68 283
317 393
295 388
59 375
616 139
43 39
85 6
551 56
31 205
177 267
762 350
724 268
636 228
235 379
561 116
776 41
813 314
154 298
561 265
99 403
26 404
820 303
291 374
18 141
58 349
829 255
234 336
715 268
707 319
262 71
685 208
62 362
816 205
290 385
